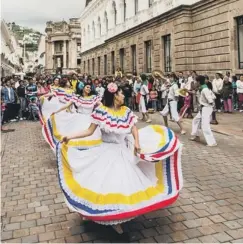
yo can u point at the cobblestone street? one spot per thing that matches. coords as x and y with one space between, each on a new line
210 207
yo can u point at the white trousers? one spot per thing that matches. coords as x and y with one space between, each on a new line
142 105
202 120
173 110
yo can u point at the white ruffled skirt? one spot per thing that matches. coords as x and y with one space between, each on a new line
106 183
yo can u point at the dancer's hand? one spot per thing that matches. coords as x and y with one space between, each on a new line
65 139
53 113
137 148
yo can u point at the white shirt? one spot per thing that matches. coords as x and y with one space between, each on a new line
9 93
100 91
188 84
239 85
173 91
207 98
144 90
130 82
217 85
164 89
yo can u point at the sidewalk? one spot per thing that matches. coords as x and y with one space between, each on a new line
229 124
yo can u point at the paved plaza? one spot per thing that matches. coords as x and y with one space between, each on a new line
210 207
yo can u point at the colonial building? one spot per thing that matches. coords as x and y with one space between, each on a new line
63 43
169 35
40 62
11 52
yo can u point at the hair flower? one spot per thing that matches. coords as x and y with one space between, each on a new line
112 87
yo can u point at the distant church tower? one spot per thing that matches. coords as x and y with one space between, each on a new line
87 2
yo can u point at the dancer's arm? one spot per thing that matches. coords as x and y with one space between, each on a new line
64 108
136 139
90 131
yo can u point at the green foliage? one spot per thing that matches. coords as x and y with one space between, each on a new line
20 32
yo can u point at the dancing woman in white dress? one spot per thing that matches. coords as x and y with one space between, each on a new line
67 119
126 173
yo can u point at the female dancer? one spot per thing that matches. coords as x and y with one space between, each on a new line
104 181
62 121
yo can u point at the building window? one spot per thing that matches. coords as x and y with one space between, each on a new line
167 53
150 2
88 67
122 55
88 36
84 35
98 65
78 47
134 57
105 64
58 46
148 52
113 62
93 66
78 61
93 29
136 6
115 12
124 10
84 66
240 40
106 22
99 26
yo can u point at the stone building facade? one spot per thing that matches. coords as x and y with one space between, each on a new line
205 36
11 52
63 46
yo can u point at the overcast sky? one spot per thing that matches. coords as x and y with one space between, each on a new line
35 13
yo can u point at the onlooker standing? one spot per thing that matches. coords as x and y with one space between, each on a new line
153 96
227 93
31 89
100 90
8 99
127 89
228 75
239 85
34 109
22 99
74 82
235 96
40 89
217 88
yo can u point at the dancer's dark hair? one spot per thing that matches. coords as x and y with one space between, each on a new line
108 99
200 79
81 90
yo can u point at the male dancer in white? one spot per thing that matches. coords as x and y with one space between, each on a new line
202 119
171 106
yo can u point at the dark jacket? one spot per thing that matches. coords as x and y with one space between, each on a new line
21 91
227 90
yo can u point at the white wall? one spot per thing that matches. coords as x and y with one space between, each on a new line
97 8
10 48
41 50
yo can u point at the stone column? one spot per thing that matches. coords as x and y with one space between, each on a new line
70 53
53 57
64 55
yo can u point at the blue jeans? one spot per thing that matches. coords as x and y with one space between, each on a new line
154 105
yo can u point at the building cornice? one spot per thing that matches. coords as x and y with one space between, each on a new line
178 11
90 8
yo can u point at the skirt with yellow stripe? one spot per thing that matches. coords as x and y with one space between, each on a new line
105 182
